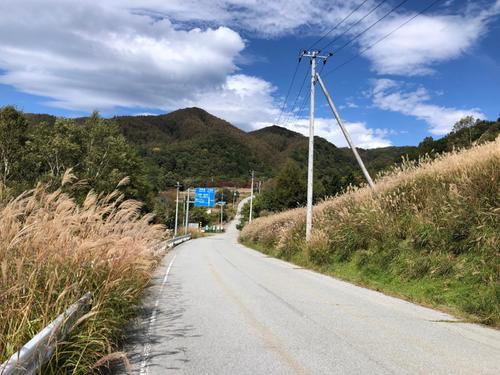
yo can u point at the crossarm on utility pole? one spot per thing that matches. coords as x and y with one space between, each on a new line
346 134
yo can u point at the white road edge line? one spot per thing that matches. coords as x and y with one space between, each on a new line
144 370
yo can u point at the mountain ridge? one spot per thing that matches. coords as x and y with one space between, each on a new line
196 147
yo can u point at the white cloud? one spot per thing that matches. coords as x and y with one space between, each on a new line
439 35
394 96
243 100
259 17
86 55
83 55
361 134
428 39
349 103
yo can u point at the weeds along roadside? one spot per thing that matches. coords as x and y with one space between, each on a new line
430 234
52 251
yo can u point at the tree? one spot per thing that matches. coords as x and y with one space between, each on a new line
427 145
96 151
52 149
107 158
12 140
224 194
288 190
466 122
199 215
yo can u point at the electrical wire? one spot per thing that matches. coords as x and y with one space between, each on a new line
338 37
337 25
296 98
304 101
334 69
288 92
372 25
353 25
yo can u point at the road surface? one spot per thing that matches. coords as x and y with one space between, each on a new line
217 307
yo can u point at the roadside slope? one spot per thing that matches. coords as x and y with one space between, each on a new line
430 234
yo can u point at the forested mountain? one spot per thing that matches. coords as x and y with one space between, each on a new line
335 168
194 147
198 149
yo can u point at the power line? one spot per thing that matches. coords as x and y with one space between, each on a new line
337 25
372 25
296 97
304 101
381 39
350 41
288 92
354 24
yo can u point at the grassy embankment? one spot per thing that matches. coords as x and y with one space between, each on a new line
430 234
52 251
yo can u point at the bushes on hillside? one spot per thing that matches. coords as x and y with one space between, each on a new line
94 149
430 232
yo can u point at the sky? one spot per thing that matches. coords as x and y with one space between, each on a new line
236 59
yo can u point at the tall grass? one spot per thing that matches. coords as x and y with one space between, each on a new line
430 233
53 250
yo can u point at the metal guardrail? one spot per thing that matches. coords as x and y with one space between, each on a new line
32 356
178 240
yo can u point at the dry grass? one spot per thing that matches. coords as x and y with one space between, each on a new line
430 233
53 250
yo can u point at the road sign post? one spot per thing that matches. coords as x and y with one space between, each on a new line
187 212
176 209
221 204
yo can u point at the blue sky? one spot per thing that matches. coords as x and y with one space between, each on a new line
235 58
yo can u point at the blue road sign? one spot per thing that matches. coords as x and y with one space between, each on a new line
204 197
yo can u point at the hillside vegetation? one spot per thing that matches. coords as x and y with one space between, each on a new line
430 233
198 149
335 168
53 251
191 145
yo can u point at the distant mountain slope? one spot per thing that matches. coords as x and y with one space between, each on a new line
333 166
192 146
294 145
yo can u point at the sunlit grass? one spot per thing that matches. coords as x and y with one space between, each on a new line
53 250
430 233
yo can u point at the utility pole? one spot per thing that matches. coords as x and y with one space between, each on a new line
310 162
221 214
251 200
221 208
313 56
187 213
176 208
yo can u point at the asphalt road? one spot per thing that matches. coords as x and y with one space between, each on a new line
217 307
